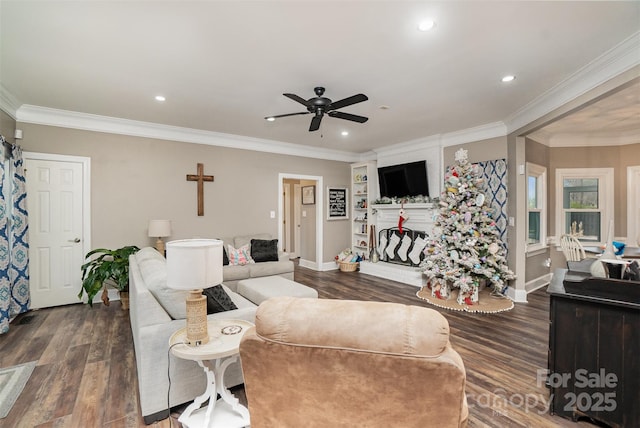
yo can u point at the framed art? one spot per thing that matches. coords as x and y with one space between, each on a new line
337 203
308 195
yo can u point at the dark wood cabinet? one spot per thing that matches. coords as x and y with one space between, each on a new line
594 352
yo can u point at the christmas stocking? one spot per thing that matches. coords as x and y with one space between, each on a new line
404 247
402 218
418 246
391 246
383 246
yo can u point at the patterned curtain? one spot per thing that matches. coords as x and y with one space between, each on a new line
5 284
19 270
14 246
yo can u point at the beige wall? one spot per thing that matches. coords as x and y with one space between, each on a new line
478 151
136 179
616 157
7 126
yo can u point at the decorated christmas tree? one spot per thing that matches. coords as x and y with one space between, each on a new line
465 249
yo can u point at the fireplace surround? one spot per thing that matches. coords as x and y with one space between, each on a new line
402 247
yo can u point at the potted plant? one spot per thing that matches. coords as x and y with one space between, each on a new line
110 267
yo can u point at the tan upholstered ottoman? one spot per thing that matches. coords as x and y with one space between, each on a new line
260 289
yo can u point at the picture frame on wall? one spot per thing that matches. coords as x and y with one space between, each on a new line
308 195
337 203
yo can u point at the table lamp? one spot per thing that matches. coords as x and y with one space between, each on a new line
159 229
194 264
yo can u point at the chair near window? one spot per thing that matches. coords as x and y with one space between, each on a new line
572 248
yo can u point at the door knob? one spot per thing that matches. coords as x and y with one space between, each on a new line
75 240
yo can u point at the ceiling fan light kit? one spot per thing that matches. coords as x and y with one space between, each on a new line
320 105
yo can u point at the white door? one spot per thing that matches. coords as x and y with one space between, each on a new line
297 197
286 226
633 205
58 208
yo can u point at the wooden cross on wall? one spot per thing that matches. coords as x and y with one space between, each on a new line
200 178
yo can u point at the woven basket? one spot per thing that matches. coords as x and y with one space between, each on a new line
348 266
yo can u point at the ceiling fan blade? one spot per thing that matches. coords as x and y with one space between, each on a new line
288 114
347 101
348 116
294 97
315 123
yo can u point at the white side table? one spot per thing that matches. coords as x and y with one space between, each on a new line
214 357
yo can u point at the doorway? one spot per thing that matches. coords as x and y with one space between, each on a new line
59 226
633 205
300 227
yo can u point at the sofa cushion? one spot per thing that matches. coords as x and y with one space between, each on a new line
233 273
240 301
239 241
225 258
264 250
271 268
153 269
239 256
218 300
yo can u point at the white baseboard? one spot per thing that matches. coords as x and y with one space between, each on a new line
405 274
518 296
538 283
308 264
329 266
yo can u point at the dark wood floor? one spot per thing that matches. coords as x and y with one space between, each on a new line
86 376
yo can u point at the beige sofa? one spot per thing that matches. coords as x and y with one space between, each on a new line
338 363
233 274
156 312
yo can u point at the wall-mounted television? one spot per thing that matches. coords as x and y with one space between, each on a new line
407 179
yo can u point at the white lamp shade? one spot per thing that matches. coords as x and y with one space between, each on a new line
159 228
194 263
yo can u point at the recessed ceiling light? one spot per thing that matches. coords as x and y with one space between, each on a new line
270 119
160 98
426 25
344 133
508 78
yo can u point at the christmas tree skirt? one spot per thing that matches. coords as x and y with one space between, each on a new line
486 302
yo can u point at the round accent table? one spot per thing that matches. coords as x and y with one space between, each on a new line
214 357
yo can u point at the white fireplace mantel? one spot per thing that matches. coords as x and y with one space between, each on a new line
421 216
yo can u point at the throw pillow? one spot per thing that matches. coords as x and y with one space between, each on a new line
239 256
218 300
225 258
263 250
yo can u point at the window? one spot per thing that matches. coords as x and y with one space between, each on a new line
536 206
584 202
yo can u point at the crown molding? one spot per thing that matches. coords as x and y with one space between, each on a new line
8 103
478 133
91 122
614 62
469 135
585 139
409 146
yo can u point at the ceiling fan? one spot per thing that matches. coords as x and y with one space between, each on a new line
320 105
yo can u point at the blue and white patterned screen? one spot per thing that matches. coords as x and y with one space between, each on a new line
494 173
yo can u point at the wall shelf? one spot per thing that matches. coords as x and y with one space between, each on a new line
364 179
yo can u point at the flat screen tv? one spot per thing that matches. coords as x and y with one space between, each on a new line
407 179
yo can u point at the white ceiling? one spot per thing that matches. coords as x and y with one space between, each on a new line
614 119
223 65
